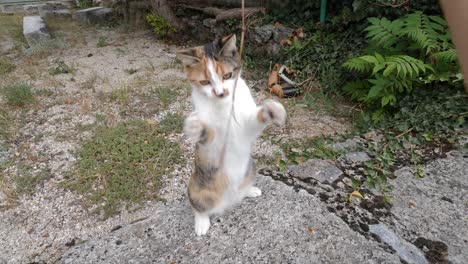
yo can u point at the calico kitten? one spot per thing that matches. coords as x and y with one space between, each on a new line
224 170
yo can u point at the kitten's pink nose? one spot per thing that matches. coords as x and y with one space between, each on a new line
220 94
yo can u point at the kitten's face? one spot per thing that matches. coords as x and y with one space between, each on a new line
212 68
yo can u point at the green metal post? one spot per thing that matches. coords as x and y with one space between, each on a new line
323 11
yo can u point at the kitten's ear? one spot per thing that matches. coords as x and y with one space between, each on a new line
189 56
228 46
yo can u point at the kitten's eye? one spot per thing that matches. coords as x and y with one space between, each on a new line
205 82
227 75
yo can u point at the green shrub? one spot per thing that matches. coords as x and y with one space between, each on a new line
404 54
160 25
18 94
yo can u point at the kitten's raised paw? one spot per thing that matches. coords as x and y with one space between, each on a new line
193 128
272 112
253 192
202 224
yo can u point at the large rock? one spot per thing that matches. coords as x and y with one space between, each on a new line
407 251
93 15
281 226
434 208
323 171
35 30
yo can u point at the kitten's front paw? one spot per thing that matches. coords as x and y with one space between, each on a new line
202 224
272 112
193 128
253 192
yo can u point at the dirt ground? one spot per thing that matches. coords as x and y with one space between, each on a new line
114 76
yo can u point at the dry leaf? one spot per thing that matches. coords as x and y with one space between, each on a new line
277 90
274 78
300 32
411 204
310 230
355 193
278 24
283 42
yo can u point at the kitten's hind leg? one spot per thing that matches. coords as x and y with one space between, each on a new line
202 223
246 188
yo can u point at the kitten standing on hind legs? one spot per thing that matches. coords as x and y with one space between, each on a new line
224 171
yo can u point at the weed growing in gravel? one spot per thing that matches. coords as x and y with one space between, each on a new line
60 67
165 94
122 164
102 41
172 122
18 94
121 95
6 66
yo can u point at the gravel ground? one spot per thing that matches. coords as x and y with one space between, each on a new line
41 226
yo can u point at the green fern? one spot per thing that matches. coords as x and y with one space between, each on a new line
383 31
446 56
411 51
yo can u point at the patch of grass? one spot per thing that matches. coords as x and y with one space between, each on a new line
122 164
18 94
172 123
102 42
6 66
27 183
165 94
12 30
60 67
47 47
121 95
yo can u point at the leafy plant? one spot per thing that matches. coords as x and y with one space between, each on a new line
160 25
405 54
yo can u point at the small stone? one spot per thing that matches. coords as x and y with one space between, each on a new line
340 185
405 250
282 33
323 171
357 157
35 30
209 22
347 181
